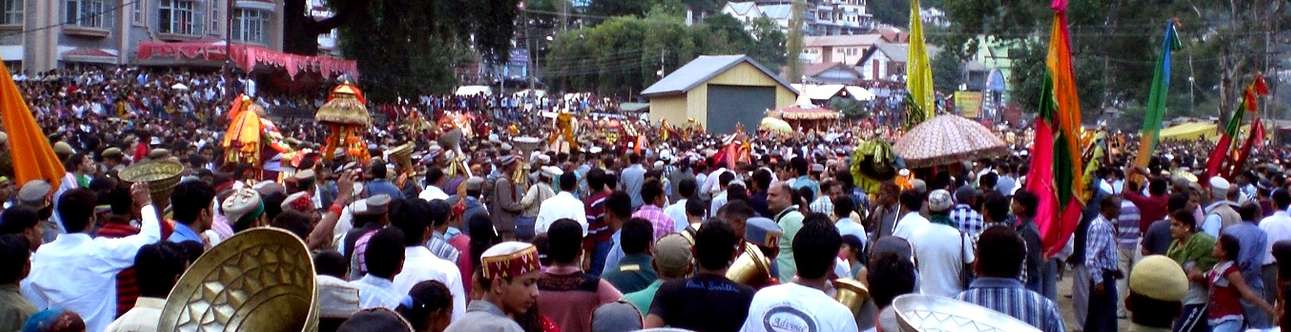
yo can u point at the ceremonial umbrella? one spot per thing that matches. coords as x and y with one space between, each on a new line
946 139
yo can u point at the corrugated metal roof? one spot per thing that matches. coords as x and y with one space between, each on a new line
702 69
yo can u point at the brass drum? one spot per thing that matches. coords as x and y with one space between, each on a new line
258 280
160 175
526 144
925 313
851 293
751 269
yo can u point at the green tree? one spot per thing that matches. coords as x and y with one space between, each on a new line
849 107
409 47
768 43
620 56
892 12
947 72
723 34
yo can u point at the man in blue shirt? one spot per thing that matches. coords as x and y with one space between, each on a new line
378 184
1250 259
1000 252
799 165
191 208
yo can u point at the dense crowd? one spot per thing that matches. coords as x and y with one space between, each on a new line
609 237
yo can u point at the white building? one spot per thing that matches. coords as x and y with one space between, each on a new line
821 17
838 49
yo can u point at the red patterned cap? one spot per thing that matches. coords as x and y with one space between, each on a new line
509 259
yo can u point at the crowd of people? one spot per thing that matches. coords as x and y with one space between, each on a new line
612 238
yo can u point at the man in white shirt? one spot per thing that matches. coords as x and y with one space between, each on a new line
804 301
77 272
719 199
911 222
434 179
1277 227
677 211
419 263
940 249
384 258
564 205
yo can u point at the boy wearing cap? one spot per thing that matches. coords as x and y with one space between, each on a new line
509 275
672 255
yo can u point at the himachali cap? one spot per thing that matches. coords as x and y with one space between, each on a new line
475 183
33 192
762 231
300 201
242 202
506 160
375 205
552 171
1219 184
303 175
1160 278
939 200
266 187
509 260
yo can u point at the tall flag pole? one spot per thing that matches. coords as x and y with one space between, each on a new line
1156 98
1055 173
33 157
917 68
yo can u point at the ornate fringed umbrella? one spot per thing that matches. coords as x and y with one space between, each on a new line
946 139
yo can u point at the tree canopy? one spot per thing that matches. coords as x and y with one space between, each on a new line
623 55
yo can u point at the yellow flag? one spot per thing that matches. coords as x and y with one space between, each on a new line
918 71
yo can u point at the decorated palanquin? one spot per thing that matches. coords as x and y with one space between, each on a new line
346 116
736 149
249 132
562 139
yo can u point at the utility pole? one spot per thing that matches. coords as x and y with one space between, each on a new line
228 50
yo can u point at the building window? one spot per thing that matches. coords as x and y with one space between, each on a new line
11 13
176 17
214 16
137 11
249 25
86 13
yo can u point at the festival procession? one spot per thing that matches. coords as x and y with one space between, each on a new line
625 165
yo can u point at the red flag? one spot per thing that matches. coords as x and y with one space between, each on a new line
1255 138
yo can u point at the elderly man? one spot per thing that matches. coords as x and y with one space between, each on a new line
780 200
1220 213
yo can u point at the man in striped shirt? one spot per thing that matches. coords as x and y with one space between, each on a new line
1000 252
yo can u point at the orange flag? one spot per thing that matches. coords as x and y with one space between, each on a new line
33 157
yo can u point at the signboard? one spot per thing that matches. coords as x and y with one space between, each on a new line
968 103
